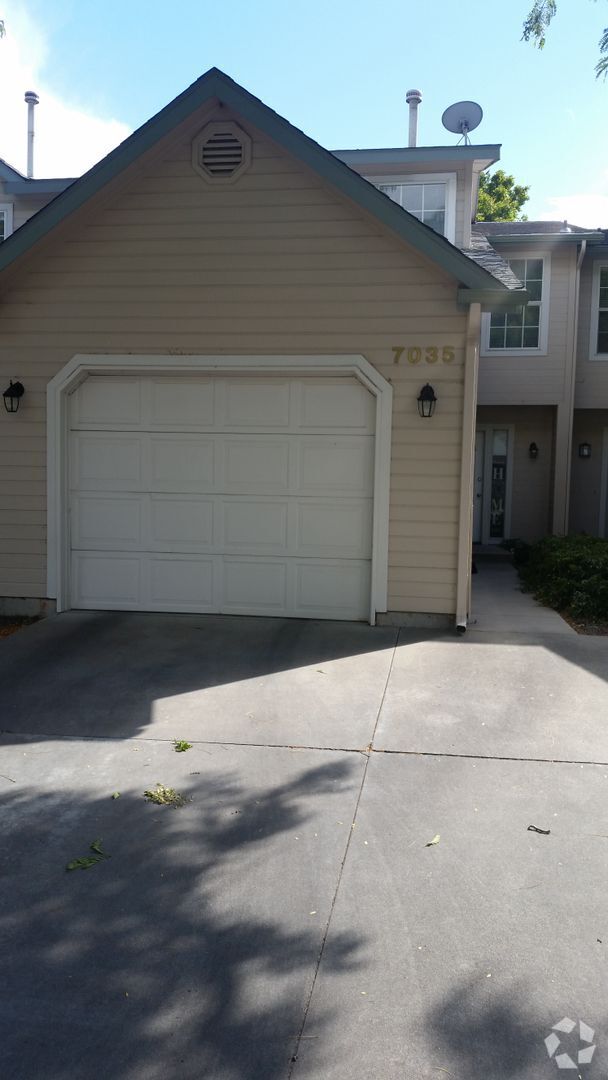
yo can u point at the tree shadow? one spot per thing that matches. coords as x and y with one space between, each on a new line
189 952
501 1035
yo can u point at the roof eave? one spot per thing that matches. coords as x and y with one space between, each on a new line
494 299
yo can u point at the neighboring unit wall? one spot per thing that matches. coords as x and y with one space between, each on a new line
276 263
531 481
587 506
536 379
591 375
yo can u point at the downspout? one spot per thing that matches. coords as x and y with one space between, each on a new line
467 461
572 380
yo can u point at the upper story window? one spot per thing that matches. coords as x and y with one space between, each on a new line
430 198
599 313
6 220
523 330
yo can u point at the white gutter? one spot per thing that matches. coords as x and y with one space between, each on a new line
467 462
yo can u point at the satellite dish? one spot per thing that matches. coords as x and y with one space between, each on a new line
462 117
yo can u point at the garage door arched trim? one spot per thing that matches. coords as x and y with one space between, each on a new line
81 366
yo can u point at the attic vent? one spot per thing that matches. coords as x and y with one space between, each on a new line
221 152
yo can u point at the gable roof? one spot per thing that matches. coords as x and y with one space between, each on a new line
215 84
7 172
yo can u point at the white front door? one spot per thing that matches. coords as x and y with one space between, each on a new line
240 494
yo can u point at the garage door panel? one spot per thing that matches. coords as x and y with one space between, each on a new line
106 581
255 465
336 466
247 495
112 522
341 529
255 586
331 589
335 405
182 403
108 402
106 462
254 525
181 584
261 404
182 463
181 524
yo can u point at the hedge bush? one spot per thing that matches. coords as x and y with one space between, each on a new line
569 573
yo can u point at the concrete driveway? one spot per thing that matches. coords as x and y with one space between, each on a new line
290 920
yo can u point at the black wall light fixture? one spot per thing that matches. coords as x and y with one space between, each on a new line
427 400
533 451
584 449
12 396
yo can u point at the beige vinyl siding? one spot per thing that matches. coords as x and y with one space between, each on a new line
531 489
277 263
591 375
535 379
586 488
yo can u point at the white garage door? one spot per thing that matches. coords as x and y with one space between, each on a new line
239 495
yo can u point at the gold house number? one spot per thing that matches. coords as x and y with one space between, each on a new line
431 354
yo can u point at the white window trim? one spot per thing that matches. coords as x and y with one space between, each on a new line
7 210
76 370
595 311
449 179
544 311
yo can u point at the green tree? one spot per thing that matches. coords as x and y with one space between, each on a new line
538 21
500 198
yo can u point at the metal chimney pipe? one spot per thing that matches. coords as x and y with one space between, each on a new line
32 100
413 98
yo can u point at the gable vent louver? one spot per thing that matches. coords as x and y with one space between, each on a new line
221 152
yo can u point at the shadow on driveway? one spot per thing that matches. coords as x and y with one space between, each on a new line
190 952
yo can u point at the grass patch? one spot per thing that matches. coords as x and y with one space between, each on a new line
165 796
180 746
570 574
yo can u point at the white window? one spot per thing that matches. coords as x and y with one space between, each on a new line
525 329
599 312
431 198
6 220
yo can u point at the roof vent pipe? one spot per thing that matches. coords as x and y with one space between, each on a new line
413 98
31 100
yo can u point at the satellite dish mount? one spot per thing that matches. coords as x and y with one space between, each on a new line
461 118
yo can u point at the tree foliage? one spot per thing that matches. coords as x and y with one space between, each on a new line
537 23
500 198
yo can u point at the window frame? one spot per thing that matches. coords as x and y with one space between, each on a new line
543 334
598 266
7 210
450 181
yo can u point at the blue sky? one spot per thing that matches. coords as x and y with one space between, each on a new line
338 70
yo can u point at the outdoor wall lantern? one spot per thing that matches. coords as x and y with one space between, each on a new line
584 449
533 451
426 400
12 396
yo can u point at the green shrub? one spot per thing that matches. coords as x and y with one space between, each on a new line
569 573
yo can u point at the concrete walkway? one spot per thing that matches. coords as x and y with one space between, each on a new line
500 605
351 891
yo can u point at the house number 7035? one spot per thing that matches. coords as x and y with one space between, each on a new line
431 354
